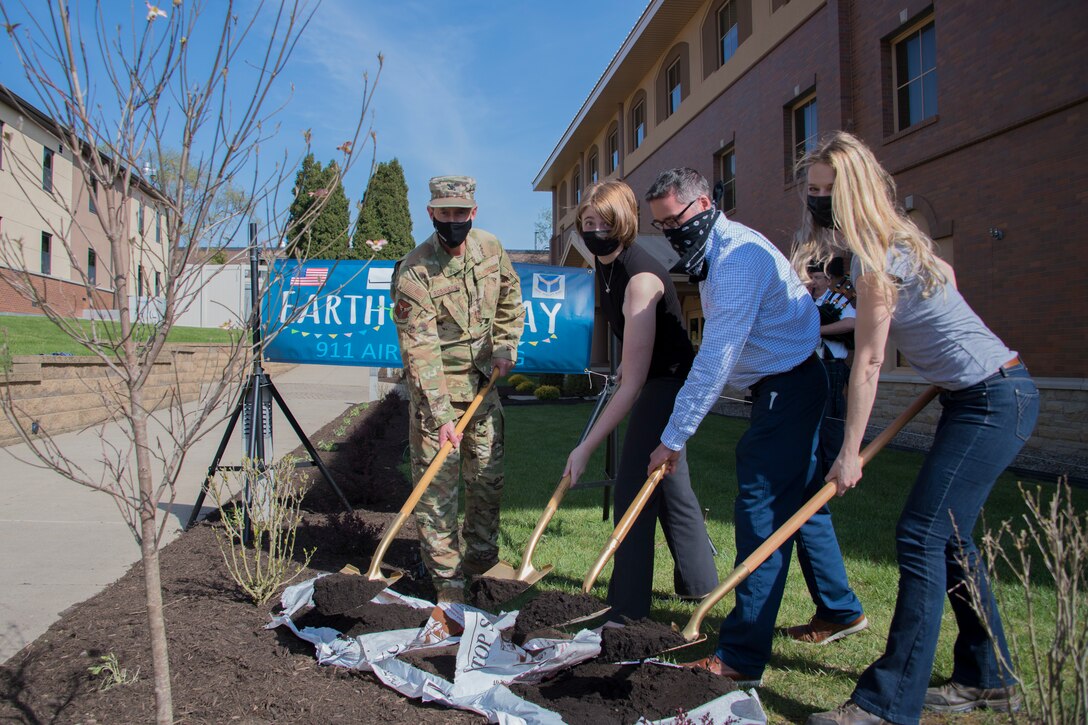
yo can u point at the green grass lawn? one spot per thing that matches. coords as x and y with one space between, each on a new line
801 679
27 335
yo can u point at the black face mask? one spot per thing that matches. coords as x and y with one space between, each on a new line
600 244
689 241
452 234
820 206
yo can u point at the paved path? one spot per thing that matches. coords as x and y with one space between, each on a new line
61 543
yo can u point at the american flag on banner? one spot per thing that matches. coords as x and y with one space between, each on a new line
313 277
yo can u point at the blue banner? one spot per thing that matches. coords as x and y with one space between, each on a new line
338 312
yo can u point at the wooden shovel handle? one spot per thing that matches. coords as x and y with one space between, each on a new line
538 531
788 529
624 526
375 570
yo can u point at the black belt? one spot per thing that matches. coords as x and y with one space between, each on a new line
813 358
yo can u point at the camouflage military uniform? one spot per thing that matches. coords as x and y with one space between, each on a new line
454 314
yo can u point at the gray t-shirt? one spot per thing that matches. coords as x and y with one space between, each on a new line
940 335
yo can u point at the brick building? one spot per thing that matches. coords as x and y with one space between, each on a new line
50 233
975 106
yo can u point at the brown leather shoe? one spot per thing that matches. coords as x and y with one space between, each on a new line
848 713
714 665
818 631
955 697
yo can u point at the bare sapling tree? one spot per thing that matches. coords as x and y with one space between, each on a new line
194 84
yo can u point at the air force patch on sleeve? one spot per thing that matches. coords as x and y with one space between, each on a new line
549 286
402 309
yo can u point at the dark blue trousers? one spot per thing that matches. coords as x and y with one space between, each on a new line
775 463
981 430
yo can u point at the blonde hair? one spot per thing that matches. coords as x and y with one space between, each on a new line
867 220
615 203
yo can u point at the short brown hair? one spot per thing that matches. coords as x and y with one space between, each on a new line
616 204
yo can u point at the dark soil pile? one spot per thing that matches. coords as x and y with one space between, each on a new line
636 640
551 609
366 618
491 594
441 661
594 693
339 593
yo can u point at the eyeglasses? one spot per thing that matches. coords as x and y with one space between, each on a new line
674 221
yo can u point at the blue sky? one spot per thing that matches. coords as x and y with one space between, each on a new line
482 87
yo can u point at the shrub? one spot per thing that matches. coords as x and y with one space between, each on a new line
517 379
547 392
527 387
577 386
553 379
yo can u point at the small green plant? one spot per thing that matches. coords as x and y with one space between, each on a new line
6 362
526 387
345 422
577 386
271 511
326 446
517 379
547 392
112 673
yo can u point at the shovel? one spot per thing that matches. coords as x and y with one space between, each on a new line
692 634
375 571
624 526
528 573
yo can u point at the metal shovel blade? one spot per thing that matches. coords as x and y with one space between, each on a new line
388 580
502 570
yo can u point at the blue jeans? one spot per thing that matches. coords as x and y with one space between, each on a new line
818 552
980 432
775 462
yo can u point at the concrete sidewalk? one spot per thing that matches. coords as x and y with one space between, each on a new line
62 543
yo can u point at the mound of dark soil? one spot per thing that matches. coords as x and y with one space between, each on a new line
594 692
636 640
552 608
441 661
490 594
338 593
366 618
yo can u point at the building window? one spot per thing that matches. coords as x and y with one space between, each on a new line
915 56
695 328
576 187
672 88
158 227
594 165
47 169
140 217
47 257
92 267
563 198
92 204
728 32
613 150
638 124
140 281
727 177
158 283
804 129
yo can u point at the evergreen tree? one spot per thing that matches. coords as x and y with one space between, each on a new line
384 214
319 216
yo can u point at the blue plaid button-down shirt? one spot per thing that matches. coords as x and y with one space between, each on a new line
759 321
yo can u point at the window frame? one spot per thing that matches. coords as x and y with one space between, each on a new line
730 152
576 187
734 29
612 143
898 41
140 216
92 267
594 164
636 125
47 168
92 195
800 145
46 260
673 93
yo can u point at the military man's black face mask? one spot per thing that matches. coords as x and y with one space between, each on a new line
452 234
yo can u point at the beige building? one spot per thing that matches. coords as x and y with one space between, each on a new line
51 232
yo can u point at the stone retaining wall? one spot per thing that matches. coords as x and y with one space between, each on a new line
64 394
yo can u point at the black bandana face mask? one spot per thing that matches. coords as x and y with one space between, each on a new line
452 234
599 243
822 214
689 241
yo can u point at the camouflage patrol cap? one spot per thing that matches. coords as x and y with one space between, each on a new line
453 191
